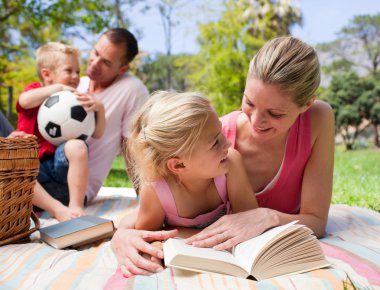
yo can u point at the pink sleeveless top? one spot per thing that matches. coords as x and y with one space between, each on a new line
285 194
201 221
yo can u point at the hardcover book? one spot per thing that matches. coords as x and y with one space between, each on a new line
282 250
77 232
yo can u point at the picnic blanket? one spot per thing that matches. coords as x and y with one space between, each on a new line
352 245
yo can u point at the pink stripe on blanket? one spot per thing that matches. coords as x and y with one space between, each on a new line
362 267
117 281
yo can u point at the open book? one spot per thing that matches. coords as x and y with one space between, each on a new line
287 249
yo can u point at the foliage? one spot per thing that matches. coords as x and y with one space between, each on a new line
358 44
228 44
151 71
353 99
356 177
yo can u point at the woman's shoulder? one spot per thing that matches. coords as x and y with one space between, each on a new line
321 116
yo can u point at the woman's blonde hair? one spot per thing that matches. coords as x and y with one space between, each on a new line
51 54
289 63
167 126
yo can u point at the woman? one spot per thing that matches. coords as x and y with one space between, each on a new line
286 139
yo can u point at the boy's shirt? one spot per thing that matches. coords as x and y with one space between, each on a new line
27 122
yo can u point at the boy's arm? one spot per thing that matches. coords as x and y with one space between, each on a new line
239 189
34 98
151 215
90 103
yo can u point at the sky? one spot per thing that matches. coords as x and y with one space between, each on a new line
322 19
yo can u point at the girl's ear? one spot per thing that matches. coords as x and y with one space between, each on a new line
175 165
309 104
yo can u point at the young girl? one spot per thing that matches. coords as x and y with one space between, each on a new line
186 172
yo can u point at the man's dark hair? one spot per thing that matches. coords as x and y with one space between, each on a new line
123 36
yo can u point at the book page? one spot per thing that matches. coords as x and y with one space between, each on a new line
176 246
246 252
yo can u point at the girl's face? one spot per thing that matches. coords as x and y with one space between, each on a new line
270 111
67 72
209 156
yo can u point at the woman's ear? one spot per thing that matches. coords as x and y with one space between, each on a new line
175 165
309 104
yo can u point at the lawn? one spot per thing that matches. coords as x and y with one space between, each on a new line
356 177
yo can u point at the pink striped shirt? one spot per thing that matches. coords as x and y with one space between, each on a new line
284 194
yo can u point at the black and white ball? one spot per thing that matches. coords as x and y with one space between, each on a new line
61 118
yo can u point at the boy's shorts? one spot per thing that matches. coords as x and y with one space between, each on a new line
53 175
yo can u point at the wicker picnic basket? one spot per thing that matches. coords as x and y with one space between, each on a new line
19 166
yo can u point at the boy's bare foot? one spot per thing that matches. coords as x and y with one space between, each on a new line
65 213
78 209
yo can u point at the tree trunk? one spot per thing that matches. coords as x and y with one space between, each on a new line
376 140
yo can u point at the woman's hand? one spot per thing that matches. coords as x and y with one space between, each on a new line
130 246
233 229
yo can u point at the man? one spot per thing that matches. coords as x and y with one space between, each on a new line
122 95
5 126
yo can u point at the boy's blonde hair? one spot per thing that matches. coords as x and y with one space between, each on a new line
289 63
167 126
51 54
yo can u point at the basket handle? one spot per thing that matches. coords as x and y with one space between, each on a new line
19 237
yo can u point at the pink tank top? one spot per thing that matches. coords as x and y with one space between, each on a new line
201 221
285 194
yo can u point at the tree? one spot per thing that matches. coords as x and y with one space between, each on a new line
153 75
369 106
345 94
358 44
228 44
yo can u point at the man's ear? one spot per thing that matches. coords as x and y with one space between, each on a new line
175 165
124 68
309 103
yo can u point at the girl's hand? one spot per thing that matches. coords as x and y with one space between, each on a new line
233 229
130 246
89 102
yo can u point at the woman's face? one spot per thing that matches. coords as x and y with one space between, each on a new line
270 111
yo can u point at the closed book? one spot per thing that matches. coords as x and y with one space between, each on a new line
78 231
283 250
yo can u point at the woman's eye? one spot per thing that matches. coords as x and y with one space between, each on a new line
277 116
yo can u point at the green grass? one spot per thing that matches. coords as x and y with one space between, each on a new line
356 177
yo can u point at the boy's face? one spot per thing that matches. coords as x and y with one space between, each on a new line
66 73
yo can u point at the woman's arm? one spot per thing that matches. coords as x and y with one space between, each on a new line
315 196
240 193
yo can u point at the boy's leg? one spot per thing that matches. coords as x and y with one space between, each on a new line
47 177
76 152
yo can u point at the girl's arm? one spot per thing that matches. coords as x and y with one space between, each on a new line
150 215
34 98
315 195
240 193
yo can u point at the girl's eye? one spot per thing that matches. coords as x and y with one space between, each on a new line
215 144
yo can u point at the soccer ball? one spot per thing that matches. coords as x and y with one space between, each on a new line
61 118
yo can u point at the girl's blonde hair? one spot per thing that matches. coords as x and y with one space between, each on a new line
289 63
51 54
167 126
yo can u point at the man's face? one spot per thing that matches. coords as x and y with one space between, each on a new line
106 61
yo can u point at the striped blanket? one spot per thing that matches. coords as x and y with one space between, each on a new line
352 246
